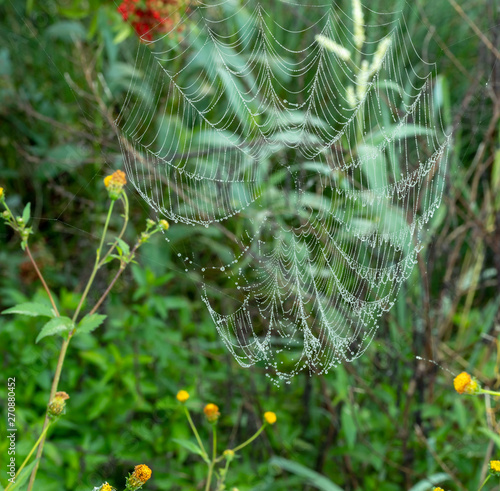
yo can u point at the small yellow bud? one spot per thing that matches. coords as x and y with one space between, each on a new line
228 454
437 489
106 487
164 225
495 467
211 412
2 193
465 384
141 474
270 417
182 396
114 184
57 405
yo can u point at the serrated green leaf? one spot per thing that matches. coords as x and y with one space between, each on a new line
58 325
32 309
89 323
27 213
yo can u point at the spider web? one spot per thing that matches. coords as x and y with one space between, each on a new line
318 150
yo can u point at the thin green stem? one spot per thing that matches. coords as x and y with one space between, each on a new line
124 199
64 348
220 485
251 439
484 482
195 431
214 448
214 457
46 423
45 286
26 460
96 265
491 392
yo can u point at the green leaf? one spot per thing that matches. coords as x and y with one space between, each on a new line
58 325
125 249
25 473
349 426
32 309
312 477
430 482
89 323
189 445
27 213
491 435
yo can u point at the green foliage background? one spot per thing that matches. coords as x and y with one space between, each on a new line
388 421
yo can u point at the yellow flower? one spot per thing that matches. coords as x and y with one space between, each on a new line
141 474
437 489
1 193
114 184
56 405
465 384
228 454
164 225
182 396
211 412
106 487
495 467
270 417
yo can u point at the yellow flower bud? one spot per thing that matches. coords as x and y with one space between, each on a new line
141 474
495 467
57 405
114 184
465 384
228 454
2 193
211 412
437 489
270 417
164 225
106 487
182 396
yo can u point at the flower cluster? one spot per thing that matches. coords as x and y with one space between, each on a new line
465 384
495 467
141 474
151 16
211 412
57 405
114 184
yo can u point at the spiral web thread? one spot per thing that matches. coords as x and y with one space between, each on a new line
330 151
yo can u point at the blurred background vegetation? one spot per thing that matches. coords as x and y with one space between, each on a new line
388 421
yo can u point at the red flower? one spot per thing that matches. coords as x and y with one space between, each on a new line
150 16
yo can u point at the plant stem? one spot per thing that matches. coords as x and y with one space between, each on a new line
214 456
124 199
251 439
484 482
491 392
26 460
195 431
123 265
46 422
38 272
64 347
96 265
